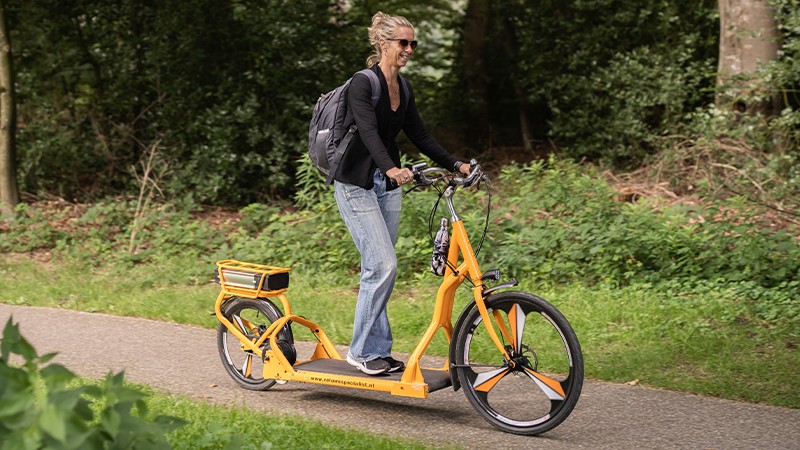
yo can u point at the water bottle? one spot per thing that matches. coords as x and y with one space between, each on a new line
441 245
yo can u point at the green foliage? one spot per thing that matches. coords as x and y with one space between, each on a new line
226 87
782 76
718 152
40 408
713 159
552 221
598 79
623 108
564 224
101 233
311 189
30 230
46 406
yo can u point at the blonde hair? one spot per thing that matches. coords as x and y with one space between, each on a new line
383 26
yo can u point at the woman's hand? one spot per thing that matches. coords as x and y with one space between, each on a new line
464 168
400 176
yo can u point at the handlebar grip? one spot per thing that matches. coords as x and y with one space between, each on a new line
416 169
474 173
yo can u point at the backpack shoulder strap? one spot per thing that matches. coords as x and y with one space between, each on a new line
376 86
375 83
345 142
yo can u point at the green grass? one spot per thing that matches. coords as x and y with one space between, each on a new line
706 342
214 427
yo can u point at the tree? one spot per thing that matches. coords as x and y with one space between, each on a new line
476 27
9 195
600 79
749 38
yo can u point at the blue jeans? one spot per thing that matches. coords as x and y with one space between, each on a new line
372 216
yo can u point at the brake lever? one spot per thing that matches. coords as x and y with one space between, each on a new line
475 173
416 171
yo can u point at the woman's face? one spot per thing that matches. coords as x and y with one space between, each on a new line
397 54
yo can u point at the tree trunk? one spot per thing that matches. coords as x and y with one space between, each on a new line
749 38
512 46
9 194
476 26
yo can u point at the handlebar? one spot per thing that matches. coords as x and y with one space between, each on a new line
425 176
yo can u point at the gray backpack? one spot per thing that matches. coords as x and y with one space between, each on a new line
328 137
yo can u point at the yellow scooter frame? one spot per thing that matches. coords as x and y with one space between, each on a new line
528 388
326 366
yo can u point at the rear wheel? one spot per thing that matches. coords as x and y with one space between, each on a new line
539 388
252 318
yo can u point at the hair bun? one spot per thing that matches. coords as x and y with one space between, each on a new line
378 18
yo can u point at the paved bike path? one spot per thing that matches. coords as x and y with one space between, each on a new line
183 360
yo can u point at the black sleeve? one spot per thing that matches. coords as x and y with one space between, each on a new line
359 101
416 132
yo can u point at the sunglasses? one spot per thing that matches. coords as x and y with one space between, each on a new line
405 43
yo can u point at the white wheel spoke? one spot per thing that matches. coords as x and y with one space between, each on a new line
516 318
240 324
247 365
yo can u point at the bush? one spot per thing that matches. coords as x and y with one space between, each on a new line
618 112
552 221
560 222
40 409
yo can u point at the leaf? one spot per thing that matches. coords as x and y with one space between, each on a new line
52 420
169 423
110 420
633 382
115 380
44 359
83 410
13 342
56 375
18 411
66 400
21 442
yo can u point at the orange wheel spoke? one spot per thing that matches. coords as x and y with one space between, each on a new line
498 319
485 381
552 388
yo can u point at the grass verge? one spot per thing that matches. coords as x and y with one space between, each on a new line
212 427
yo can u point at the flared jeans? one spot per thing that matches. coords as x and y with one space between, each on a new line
373 217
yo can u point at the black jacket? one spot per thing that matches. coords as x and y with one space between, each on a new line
375 145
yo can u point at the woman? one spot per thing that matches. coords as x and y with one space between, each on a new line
368 203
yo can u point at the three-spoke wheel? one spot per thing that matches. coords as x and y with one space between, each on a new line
539 386
252 318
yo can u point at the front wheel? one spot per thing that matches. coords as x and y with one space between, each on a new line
539 387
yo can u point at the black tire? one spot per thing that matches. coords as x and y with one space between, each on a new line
519 399
251 317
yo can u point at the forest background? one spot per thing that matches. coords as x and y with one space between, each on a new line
223 90
645 157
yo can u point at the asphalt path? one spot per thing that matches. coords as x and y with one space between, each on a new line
183 360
